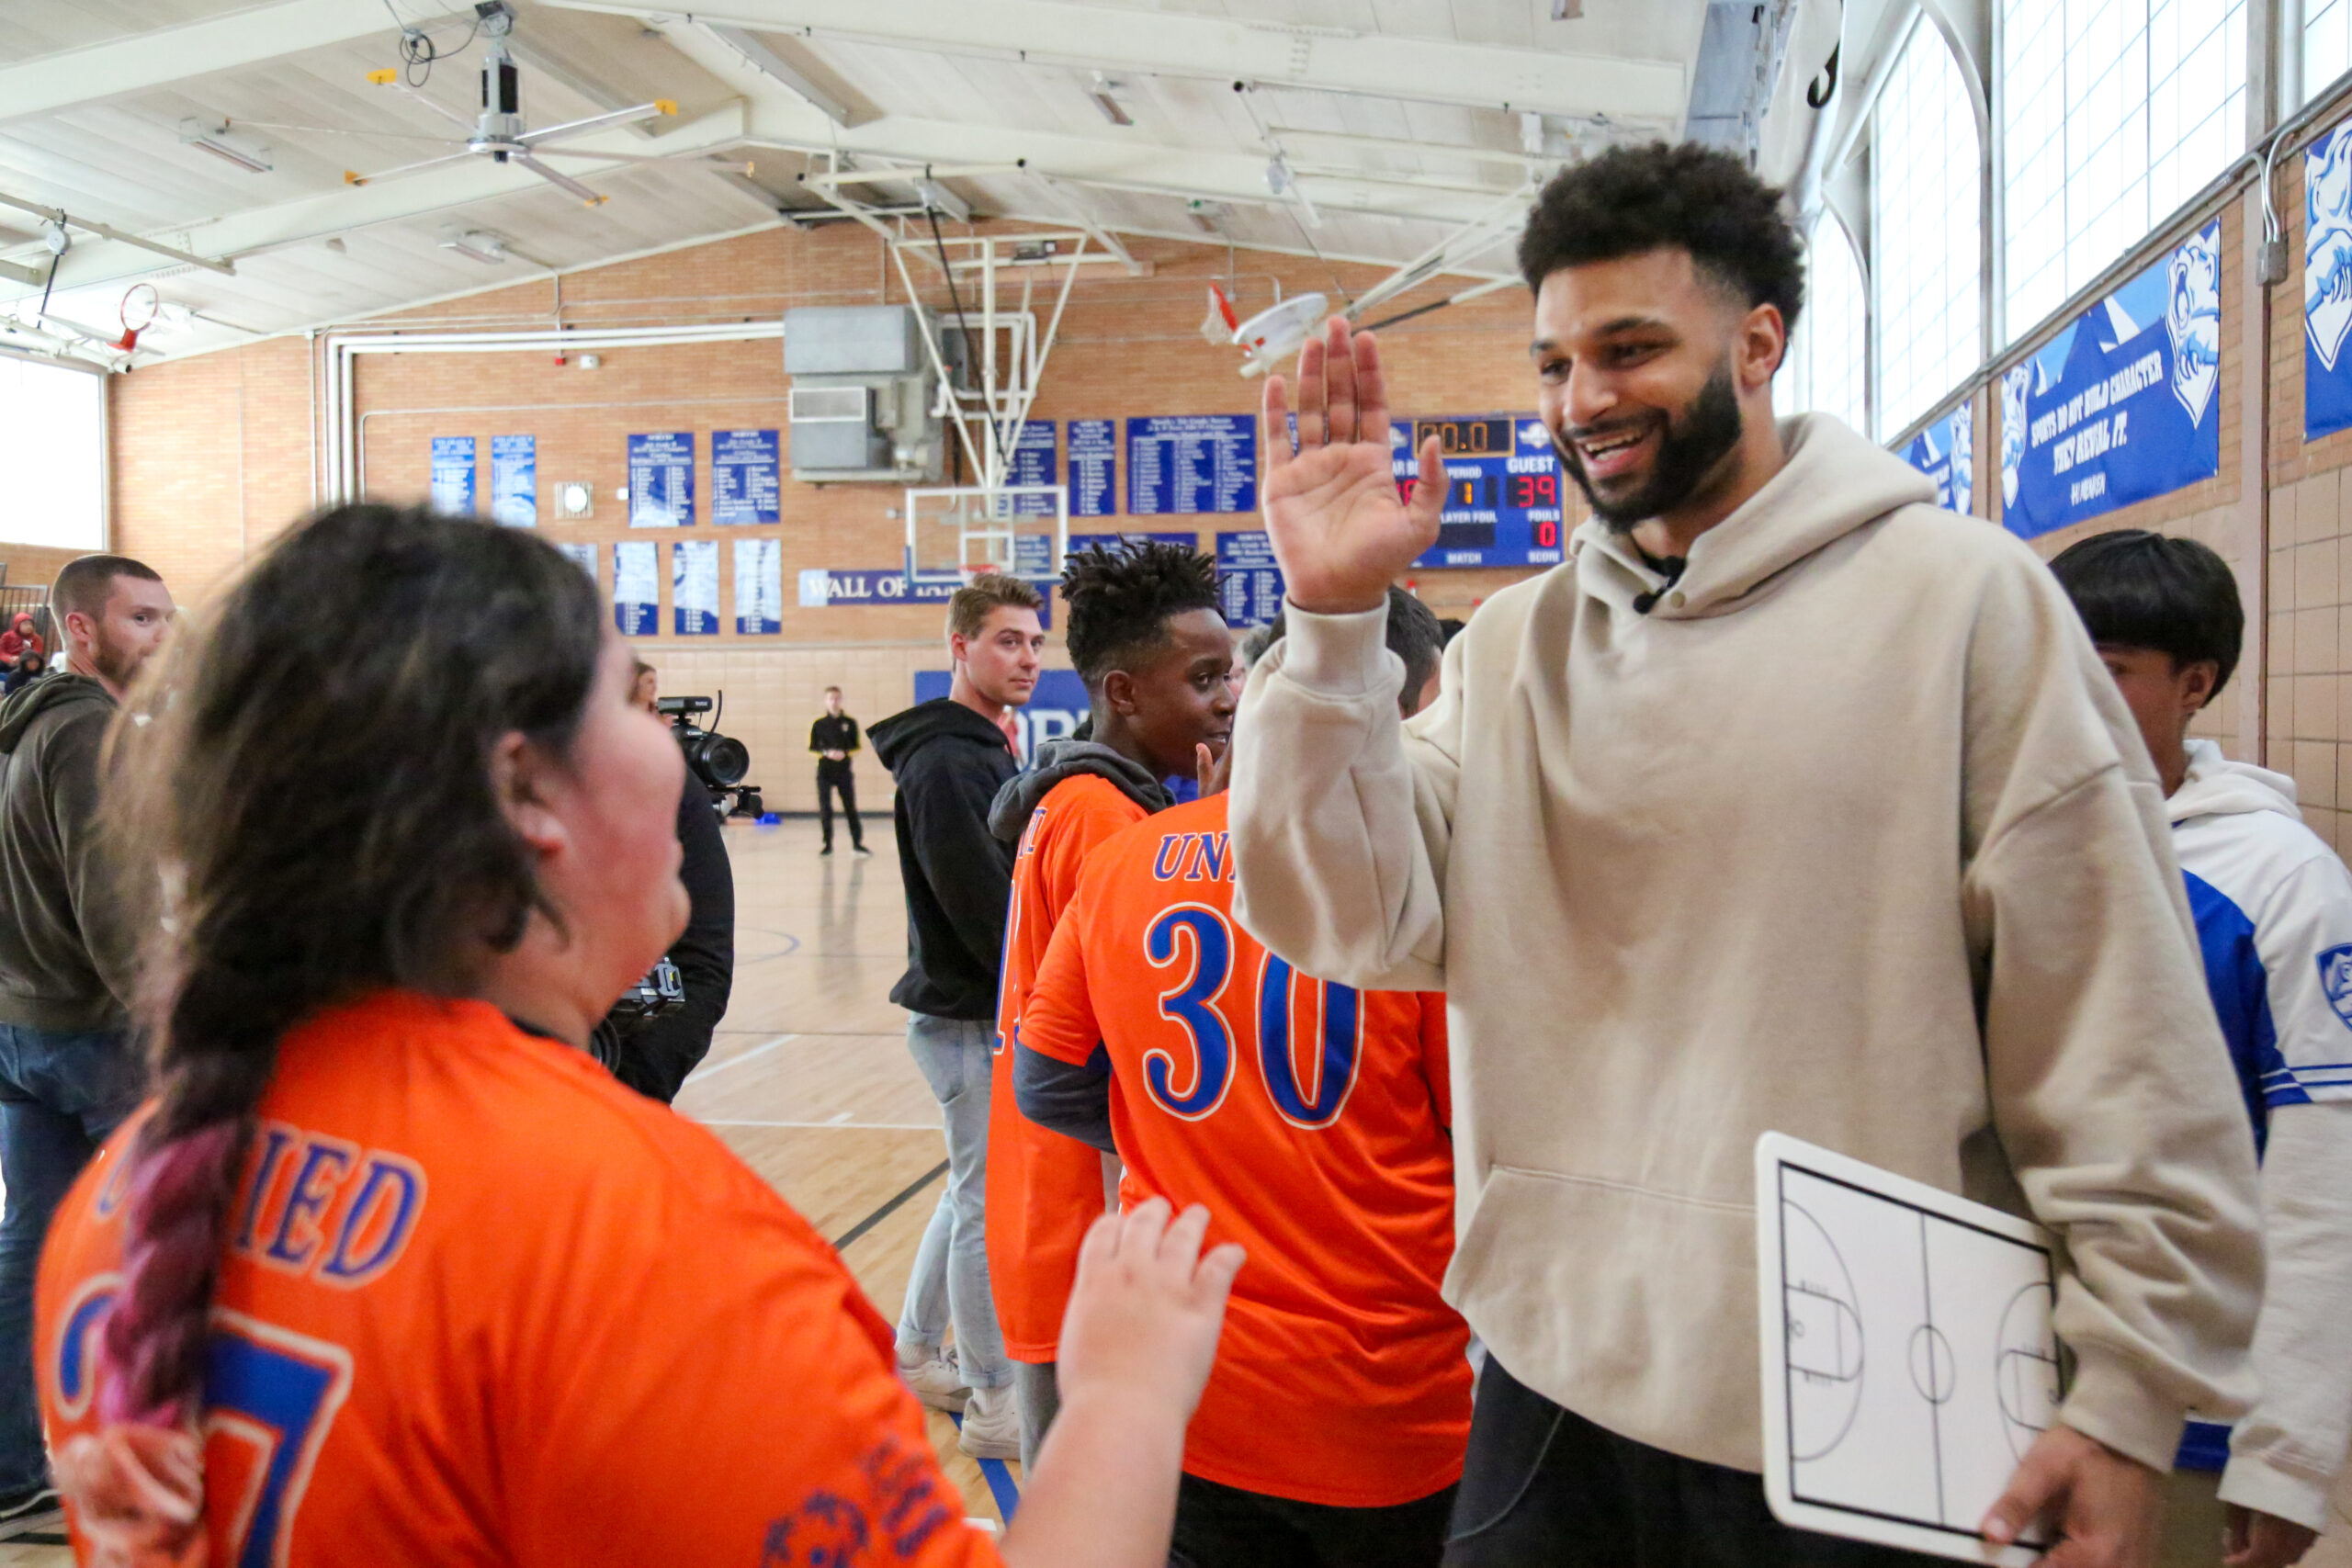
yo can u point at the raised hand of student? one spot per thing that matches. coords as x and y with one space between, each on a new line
2108 1508
1339 527
2252 1539
1136 1345
1212 771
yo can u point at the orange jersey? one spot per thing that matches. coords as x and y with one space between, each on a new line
1044 1190
1311 1120
481 1304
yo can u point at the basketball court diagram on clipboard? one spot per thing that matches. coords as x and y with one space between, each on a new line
1908 1358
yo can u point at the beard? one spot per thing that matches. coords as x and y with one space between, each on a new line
116 664
1694 441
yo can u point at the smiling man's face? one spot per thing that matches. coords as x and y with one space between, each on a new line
1634 360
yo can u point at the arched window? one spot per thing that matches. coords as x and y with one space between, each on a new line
1926 230
1824 370
2113 112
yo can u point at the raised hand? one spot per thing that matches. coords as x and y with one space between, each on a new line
1338 526
1143 1315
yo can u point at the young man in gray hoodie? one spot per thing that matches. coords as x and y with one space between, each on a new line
1788 803
69 1070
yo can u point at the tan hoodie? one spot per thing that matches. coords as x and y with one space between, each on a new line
1849 837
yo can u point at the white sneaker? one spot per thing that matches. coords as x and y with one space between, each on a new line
934 1378
991 1424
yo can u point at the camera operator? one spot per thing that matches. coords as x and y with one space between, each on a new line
653 1054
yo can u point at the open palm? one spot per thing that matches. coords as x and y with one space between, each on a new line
1339 528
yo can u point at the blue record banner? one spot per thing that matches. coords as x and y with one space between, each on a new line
1033 464
1183 464
453 474
1093 467
581 554
745 476
2122 405
1249 582
514 480
637 588
1946 453
759 587
2327 284
693 587
661 480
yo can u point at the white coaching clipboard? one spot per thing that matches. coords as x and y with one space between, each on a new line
1908 1357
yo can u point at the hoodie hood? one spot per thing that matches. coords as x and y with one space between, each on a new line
1059 760
903 734
29 702
2218 787
1834 482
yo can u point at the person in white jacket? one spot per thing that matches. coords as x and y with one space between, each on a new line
2274 916
1788 803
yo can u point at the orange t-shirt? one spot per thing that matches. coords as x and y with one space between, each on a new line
1311 1120
1044 1190
481 1304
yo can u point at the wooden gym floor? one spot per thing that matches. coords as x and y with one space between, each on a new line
809 1080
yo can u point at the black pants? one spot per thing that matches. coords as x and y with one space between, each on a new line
1222 1526
1543 1484
831 776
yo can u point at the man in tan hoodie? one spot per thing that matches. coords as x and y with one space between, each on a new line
1787 803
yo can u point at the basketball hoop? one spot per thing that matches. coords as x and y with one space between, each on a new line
141 300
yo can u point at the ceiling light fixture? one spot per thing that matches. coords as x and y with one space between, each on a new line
1105 93
478 244
217 141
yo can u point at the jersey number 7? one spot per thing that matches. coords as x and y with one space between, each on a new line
266 1388
1195 1005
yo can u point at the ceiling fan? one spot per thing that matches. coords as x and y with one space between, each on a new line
500 134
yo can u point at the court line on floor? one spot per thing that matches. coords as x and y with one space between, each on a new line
712 1069
992 1471
840 1126
841 1242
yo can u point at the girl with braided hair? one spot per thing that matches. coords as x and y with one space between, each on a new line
389 1269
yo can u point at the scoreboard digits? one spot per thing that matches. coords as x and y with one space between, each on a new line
1502 501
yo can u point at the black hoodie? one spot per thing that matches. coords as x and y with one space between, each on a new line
949 762
66 956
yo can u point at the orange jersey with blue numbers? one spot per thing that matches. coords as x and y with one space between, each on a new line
1311 1119
1044 1190
480 1304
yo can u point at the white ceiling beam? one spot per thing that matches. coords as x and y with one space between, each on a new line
143 60
780 118
360 206
755 51
1170 43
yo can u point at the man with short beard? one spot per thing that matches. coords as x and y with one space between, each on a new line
68 1073
1787 803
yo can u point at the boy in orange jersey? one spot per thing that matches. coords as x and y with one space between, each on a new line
1149 642
1312 1121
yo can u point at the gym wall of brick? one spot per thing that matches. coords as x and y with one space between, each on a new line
210 456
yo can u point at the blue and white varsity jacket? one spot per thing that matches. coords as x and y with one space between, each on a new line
2273 905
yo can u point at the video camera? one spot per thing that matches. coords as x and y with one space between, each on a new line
720 761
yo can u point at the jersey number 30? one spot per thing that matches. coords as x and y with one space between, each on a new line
1195 1004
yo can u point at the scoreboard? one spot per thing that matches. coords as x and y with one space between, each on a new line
1503 499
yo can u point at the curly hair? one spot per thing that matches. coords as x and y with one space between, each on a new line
1120 601
1686 198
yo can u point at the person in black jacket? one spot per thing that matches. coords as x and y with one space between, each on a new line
833 738
654 1056
949 757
